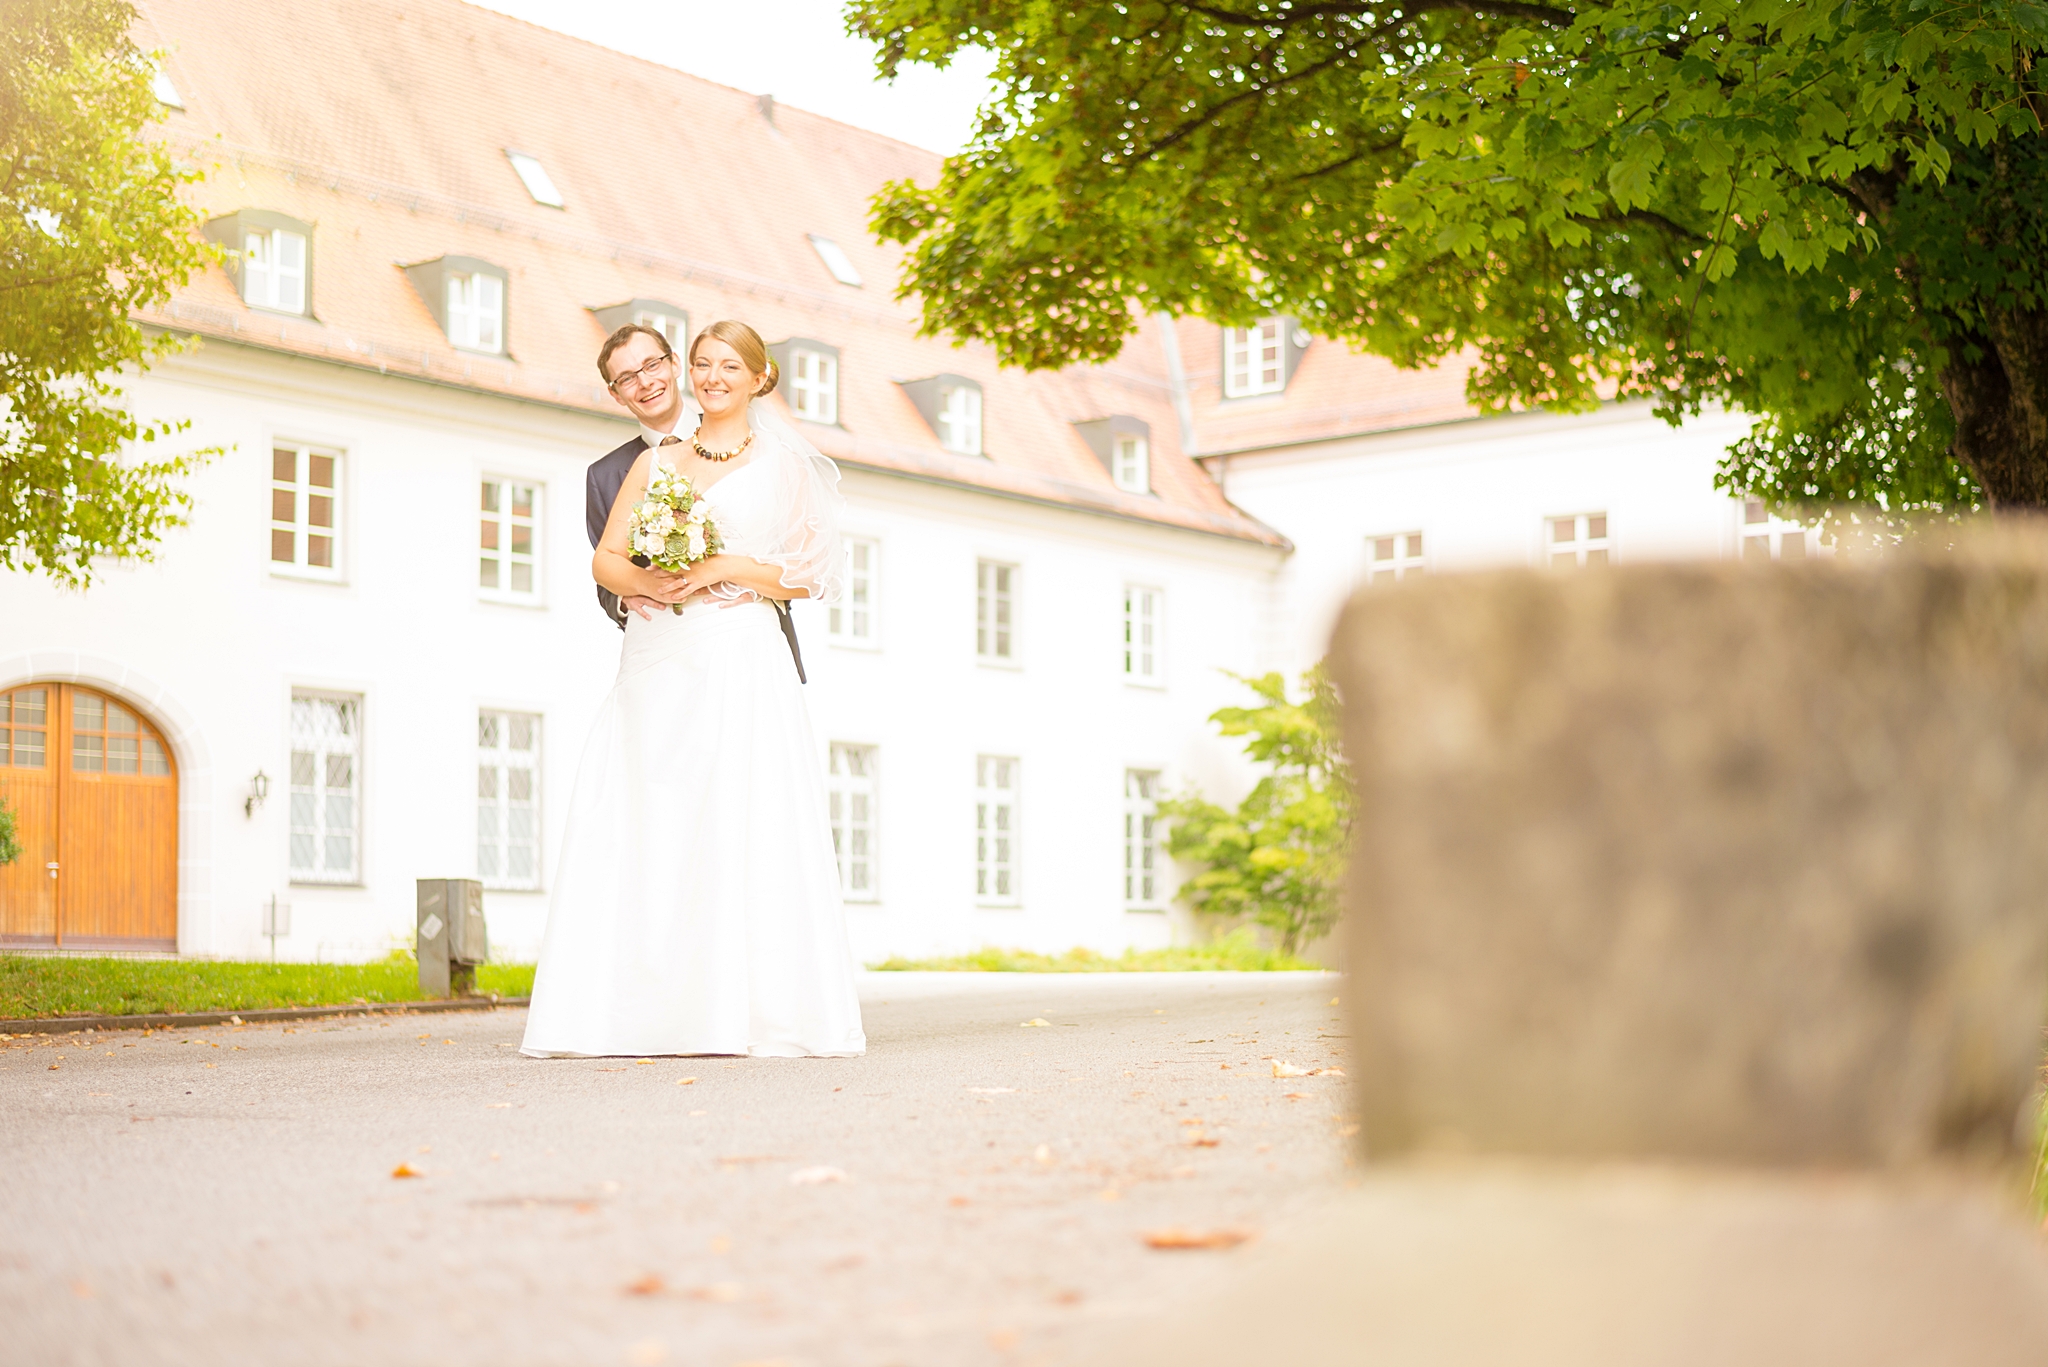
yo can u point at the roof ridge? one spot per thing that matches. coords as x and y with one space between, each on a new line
676 70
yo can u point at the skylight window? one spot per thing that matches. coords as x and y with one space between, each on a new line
165 90
536 179
836 260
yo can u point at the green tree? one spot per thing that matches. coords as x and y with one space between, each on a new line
1833 215
91 228
10 843
1279 858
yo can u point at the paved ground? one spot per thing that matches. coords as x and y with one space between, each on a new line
225 1195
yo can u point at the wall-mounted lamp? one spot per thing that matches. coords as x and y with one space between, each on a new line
259 788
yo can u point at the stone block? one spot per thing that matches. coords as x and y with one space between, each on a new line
1714 861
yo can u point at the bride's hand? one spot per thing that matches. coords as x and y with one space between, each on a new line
703 575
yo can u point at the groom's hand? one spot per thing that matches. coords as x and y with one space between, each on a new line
646 607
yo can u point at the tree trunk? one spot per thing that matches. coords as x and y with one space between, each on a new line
2000 402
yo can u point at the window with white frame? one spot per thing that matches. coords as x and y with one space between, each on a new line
507 543
535 178
995 611
1252 360
274 270
476 311
995 829
814 385
850 793
1144 620
852 620
508 800
1392 558
1578 539
960 419
1765 537
671 326
326 807
1130 464
1143 858
305 511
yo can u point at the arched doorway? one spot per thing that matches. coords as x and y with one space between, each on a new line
94 790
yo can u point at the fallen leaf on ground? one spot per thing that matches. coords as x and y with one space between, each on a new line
812 1177
1284 1069
1224 1066
1202 1141
1333 1001
1035 1020
406 1170
639 1061
1300 1096
684 1081
1176 1237
234 1020
649 1285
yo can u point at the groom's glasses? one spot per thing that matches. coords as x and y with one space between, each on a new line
633 379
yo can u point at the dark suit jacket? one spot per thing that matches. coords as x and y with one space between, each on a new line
600 490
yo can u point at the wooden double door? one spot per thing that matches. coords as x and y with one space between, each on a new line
94 791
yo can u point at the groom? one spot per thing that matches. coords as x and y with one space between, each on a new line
643 373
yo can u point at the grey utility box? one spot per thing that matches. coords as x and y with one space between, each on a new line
452 941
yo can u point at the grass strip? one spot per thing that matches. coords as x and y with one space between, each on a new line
1236 952
35 986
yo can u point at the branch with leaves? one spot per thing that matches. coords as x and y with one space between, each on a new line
1782 206
1278 860
92 229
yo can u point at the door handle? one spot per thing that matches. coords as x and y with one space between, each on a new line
52 867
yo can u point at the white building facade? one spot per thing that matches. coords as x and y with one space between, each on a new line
375 653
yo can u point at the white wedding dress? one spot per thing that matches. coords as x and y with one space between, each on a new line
696 909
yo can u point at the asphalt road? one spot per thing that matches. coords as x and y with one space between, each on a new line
973 1191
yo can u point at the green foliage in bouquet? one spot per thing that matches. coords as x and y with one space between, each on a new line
1277 860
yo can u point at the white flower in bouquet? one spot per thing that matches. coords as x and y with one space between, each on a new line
671 505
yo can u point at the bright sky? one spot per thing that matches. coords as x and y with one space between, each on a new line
795 50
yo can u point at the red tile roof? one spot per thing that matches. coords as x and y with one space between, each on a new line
385 124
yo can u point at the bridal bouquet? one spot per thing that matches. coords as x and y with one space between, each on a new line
670 524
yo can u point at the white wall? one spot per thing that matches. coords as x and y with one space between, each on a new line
1480 492
223 640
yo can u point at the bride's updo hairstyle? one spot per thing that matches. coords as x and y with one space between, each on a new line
752 351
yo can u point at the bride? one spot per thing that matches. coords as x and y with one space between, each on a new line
697 907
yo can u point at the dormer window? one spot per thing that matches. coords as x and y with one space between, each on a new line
467 298
1254 359
1124 446
535 178
810 378
1131 467
672 321
960 419
672 326
952 405
274 270
476 311
270 257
